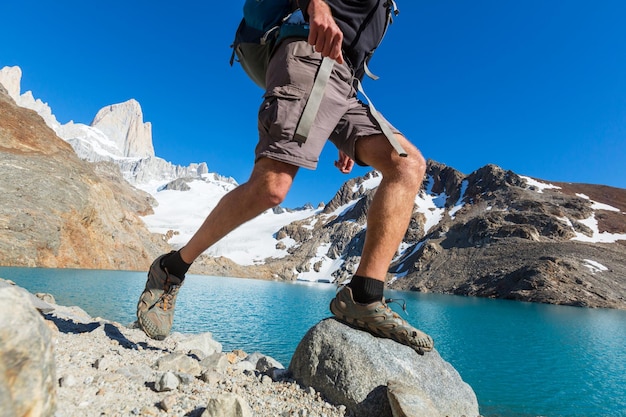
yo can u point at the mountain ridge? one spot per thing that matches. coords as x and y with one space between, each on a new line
492 233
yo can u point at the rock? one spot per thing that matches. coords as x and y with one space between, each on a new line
87 218
35 301
178 362
266 363
167 403
179 184
253 358
202 342
244 366
211 377
406 401
278 374
185 379
10 78
123 124
272 368
227 405
45 297
353 368
109 369
6 397
216 362
167 382
27 369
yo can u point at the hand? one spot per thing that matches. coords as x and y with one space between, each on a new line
324 34
345 163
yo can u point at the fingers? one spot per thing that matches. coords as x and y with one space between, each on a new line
327 42
324 34
345 163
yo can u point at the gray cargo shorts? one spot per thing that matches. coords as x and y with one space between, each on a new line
342 118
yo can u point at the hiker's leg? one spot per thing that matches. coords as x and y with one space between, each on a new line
361 302
267 187
391 209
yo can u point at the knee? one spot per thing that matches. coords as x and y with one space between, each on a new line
410 169
419 166
269 193
270 182
273 196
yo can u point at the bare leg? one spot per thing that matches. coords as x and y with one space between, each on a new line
267 187
391 209
387 221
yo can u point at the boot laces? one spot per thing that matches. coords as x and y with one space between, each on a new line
400 301
166 301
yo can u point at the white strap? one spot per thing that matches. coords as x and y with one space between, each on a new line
313 102
384 126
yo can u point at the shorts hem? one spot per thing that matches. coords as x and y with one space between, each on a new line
288 160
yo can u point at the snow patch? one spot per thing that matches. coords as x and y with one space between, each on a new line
598 206
326 266
185 211
595 266
597 237
540 186
368 184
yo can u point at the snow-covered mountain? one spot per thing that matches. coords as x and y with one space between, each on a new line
491 233
117 133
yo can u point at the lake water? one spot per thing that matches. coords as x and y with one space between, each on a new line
521 359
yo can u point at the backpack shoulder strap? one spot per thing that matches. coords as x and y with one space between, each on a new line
392 11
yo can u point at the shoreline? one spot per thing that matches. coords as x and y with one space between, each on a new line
529 299
104 368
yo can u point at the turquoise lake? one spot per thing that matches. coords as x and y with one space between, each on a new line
521 359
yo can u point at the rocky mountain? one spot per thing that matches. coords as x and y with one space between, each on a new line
60 211
492 233
509 236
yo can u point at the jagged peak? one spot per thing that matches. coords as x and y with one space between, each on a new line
130 107
11 78
490 178
123 124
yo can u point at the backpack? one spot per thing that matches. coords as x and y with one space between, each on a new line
264 24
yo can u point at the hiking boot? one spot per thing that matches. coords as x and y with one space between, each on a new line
378 319
155 309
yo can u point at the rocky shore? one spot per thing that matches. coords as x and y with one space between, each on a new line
103 368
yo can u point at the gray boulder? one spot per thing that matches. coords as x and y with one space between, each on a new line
354 368
27 369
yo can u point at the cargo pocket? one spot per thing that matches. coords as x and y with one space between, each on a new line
280 111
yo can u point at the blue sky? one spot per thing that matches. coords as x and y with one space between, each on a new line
537 87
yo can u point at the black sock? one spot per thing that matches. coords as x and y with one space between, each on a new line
366 290
175 265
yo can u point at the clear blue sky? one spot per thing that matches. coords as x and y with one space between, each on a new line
536 86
